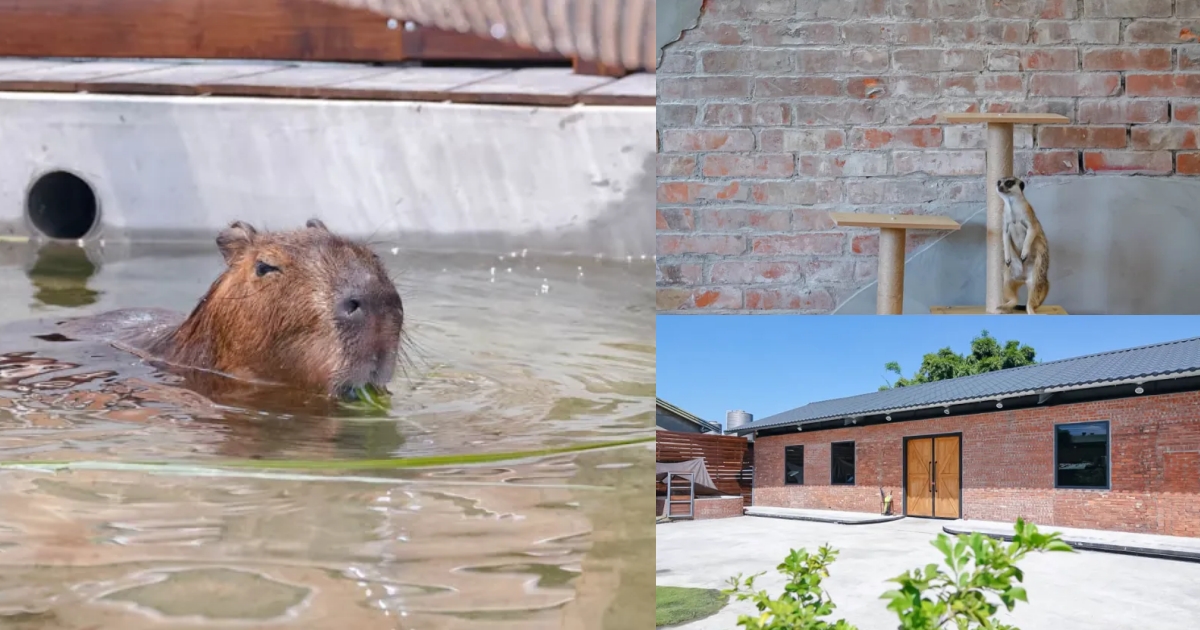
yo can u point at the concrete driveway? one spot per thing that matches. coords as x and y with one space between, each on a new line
1084 590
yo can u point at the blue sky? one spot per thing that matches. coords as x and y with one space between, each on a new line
765 364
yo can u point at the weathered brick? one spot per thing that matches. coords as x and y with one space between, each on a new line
676 165
1004 60
825 61
1050 59
1187 163
1186 111
1039 9
801 139
1162 84
1109 111
882 137
761 165
904 33
1162 137
1161 31
793 87
703 297
1077 32
675 115
983 85
940 163
1189 58
672 88
1067 136
1054 163
1126 8
789 298
678 274
821 243
675 219
756 272
1095 84
1129 59
811 220
817 113
678 62
841 9
859 164
938 60
708 140
722 245
865 244
990 32
796 34
728 115
936 9
700 192
893 86
733 219
720 33
877 191
766 114
796 193
743 60
964 137
1129 162
1187 8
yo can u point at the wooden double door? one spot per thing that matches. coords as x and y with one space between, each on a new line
933 476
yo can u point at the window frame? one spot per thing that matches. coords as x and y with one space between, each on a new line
1108 439
854 451
785 465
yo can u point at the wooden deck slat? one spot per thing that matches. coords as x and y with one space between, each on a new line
188 79
418 84
635 89
68 77
296 82
530 86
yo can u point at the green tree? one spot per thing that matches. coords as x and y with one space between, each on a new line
986 355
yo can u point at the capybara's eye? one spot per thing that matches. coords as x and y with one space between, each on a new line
261 268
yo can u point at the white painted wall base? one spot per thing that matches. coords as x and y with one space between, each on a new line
430 175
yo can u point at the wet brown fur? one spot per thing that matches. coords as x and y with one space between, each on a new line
1026 250
279 326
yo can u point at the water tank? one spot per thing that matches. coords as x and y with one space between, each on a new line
735 419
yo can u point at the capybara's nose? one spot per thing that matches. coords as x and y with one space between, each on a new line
351 309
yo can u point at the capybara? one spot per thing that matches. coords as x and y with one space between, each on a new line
306 309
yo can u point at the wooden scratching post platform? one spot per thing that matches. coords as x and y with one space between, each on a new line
999 165
890 297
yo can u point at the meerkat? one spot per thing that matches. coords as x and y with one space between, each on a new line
1026 250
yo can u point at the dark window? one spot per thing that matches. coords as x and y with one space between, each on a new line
841 465
793 465
1081 455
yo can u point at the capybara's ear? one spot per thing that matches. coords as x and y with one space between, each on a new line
316 224
233 240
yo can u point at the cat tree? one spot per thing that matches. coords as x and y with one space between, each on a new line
999 165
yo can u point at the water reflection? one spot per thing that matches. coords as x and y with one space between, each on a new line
60 275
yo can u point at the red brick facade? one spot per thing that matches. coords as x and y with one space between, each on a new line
717 507
1008 466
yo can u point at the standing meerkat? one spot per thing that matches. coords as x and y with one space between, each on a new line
1026 250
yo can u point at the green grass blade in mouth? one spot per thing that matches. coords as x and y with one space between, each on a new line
372 464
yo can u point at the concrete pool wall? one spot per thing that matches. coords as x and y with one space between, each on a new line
429 175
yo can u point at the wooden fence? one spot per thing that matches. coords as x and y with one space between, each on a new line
728 458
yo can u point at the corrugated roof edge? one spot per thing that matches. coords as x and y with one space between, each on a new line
766 423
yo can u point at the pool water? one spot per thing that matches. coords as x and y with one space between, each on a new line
249 518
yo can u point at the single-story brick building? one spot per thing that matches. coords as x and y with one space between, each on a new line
1105 441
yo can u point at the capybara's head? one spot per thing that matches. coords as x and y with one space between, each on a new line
1007 185
305 308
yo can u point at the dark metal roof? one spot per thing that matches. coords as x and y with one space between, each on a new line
684 415
1093 370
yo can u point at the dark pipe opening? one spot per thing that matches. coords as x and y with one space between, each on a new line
61 205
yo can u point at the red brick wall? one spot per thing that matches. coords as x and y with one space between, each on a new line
1008 466
722 507
772 112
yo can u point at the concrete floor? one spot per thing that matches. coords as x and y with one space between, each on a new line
1066 591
